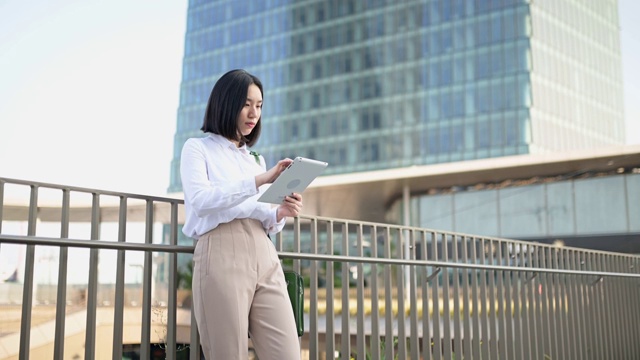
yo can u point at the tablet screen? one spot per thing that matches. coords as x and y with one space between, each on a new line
294 179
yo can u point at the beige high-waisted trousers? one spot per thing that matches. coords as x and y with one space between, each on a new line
239 290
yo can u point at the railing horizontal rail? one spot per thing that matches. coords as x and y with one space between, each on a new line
91 191
101 244
445 233
94 244
442 264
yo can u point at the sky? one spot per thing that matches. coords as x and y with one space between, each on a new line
89 90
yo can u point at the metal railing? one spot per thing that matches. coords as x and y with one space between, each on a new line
374 291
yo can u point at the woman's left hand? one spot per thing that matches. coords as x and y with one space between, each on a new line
291 206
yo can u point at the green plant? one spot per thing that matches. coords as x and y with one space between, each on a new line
185 276
383 347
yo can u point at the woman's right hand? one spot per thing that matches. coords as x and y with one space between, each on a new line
272 174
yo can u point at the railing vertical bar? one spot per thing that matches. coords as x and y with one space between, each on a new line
569 333
620 333
313 306
435 297
624 312
613 300
172 296
426 311
118 308
615 264
539 311
413 301
574 344
486 336
551 295
621 330
595 289
558 304
543 290
572 324
597 309
513 303
523 276
446 297
632 290
402 295
589 309
598 291
145 331
194 338
561 303
629 304
516 307
296 243
345 335
330 333
457 322
583 318
585 313
510 349
493 318
547 288
468 307
634 318
27 289
375 306
604 302
388 296
558 286
360 335
475 301
92 289
546 308
578 309
504 339
61 296
279 241
517 304
527 292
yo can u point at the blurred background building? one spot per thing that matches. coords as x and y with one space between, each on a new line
369 85
378 87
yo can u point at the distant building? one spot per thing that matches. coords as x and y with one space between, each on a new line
369 85
584 198
378 85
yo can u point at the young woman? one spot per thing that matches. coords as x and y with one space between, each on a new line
238 282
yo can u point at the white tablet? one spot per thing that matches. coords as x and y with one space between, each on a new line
295 178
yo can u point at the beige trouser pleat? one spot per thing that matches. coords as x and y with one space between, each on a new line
239 289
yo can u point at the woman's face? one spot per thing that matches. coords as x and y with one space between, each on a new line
251 112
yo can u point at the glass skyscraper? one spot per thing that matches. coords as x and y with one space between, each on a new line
377 84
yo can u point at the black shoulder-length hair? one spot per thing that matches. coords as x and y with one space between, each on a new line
227 98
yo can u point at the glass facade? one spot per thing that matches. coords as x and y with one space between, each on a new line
376 84
571 208
576 75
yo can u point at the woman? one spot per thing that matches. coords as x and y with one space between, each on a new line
238 282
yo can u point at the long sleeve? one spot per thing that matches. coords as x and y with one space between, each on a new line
218 180
204 195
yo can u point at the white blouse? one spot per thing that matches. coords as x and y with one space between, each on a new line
218 180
